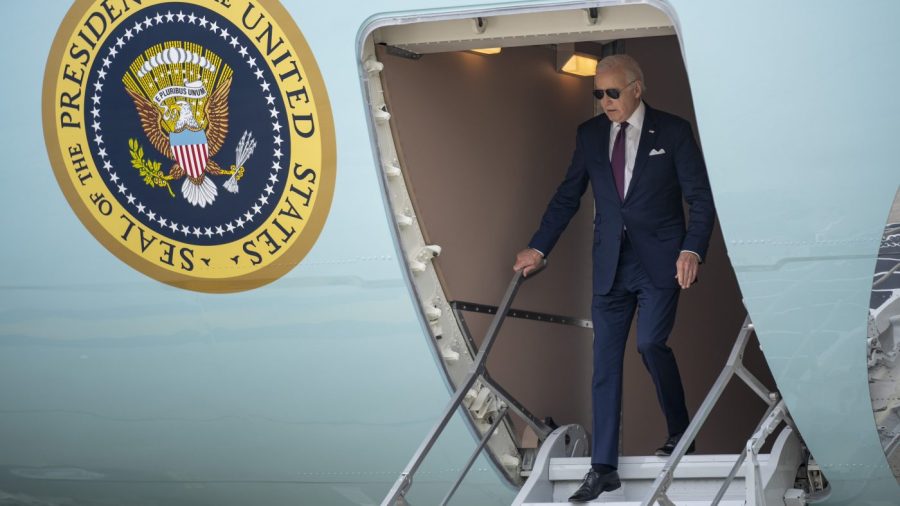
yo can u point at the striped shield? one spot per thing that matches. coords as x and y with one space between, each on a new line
190 151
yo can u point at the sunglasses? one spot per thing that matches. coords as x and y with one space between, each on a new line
613 93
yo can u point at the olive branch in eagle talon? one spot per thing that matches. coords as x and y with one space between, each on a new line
200 190
150 170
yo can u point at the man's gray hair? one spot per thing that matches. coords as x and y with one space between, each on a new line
622 61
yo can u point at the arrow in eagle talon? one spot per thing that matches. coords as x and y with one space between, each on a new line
241 154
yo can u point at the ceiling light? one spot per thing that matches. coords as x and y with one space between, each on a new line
570 62
580 65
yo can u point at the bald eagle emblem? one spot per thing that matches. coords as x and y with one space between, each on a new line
168 84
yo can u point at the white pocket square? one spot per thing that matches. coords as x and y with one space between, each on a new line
654 152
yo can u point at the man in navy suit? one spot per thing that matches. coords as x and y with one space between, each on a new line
640 162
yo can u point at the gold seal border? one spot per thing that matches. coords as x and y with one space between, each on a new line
327 171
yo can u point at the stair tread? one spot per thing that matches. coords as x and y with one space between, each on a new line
708 467
640 459
637 503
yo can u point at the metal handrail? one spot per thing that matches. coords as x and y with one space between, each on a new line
537 425
397 493
484 439
737 464
541 429
734 367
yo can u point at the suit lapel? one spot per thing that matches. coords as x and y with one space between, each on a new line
648 140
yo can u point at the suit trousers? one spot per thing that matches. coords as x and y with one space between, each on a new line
612 314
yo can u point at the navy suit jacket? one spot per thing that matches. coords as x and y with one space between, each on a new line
652 210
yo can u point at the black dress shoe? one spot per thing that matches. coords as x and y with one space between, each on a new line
667 449
594 484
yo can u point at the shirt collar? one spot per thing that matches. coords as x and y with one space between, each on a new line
636 120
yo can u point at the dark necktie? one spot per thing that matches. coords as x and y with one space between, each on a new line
618 160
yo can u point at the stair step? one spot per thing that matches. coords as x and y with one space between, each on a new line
696 480
648 468
696 476
637 490
638 503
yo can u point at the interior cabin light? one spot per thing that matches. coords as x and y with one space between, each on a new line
487 50
580 65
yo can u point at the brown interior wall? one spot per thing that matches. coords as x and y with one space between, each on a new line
484 141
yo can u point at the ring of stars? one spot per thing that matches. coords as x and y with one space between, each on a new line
165 222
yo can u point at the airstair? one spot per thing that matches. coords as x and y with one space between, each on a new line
697 480
785 476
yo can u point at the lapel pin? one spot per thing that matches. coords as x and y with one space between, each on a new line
652 131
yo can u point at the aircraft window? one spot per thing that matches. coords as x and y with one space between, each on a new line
884 340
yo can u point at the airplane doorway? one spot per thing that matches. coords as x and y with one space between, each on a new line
479 143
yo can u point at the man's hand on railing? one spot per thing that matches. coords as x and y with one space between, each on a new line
529 260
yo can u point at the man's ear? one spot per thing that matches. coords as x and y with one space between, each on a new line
638 89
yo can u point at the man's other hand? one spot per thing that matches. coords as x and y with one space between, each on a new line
686 269
527 260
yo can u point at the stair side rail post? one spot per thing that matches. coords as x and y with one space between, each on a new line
756 495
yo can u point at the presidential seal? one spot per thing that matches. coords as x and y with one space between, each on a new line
193 139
